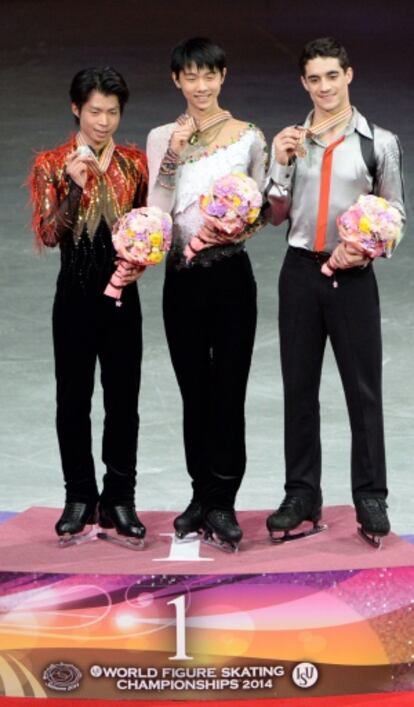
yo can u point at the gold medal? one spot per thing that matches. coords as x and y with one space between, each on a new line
194 139
202 126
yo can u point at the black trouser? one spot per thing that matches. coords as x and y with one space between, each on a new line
210 322
310 310
85 329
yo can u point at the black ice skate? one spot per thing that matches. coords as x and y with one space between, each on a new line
190 521
371 513
222 530
71 525
130 532
292 512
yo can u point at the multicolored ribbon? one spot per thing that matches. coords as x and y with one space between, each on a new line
320 128
204 125
101 163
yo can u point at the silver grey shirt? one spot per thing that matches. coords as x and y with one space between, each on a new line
293 191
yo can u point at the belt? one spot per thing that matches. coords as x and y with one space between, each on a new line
318 256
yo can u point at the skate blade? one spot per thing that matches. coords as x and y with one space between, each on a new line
374 541
288 536
80 538
223 545
122 540
181 538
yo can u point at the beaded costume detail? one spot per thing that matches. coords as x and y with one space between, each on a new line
107 195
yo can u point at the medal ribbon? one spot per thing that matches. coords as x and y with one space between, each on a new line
208 123
321 128
99 164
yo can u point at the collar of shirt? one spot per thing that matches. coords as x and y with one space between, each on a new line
358 123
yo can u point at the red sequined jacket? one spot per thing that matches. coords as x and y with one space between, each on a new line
60 206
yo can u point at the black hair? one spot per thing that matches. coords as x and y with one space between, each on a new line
200 51
326 47
106 81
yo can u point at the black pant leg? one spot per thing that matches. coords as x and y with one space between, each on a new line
120 354
210 320
233 315
302 344
354 324
189 342
74 339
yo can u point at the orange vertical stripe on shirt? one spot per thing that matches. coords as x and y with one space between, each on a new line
325 188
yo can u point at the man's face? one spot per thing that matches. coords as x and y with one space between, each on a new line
327 83
200 87
99 118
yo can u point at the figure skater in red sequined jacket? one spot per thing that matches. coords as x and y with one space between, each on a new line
79 190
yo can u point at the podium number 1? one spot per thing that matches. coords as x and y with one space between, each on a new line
179 604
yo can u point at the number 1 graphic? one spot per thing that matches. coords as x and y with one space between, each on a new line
179 604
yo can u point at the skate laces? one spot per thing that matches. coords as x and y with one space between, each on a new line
74 508
377 505
75 505
225 515
124 514
129 513
291 503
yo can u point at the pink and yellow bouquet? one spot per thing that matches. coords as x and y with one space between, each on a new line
370 226
140 237
231 207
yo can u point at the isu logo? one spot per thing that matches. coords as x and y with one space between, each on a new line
64 677
305 675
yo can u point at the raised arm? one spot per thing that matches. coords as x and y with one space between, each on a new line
162 166
53 216
281 174
164 146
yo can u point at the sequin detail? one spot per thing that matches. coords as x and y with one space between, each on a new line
107 196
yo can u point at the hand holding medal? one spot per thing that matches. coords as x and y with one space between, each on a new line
181 136
199 134
289 143
77 165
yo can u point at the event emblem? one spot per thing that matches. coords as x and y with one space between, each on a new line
62 676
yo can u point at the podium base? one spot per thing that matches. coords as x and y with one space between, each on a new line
313 622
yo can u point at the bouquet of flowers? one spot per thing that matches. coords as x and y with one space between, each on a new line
371 226
231 207
141 237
